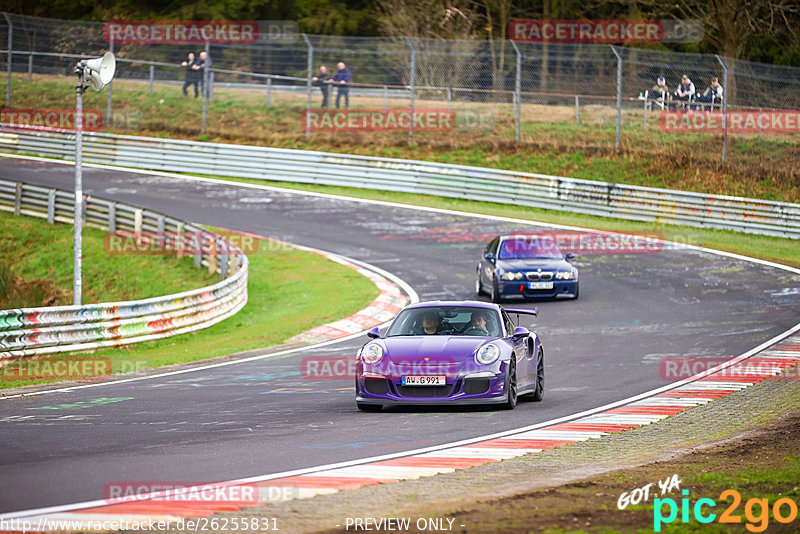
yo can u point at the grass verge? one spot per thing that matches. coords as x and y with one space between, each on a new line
289 290
766 167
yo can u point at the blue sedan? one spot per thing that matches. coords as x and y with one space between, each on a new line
527 266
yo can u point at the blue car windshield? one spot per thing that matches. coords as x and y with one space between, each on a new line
446 320
528 247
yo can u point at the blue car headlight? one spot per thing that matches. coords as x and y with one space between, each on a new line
487 354
511 276
565 275
372 353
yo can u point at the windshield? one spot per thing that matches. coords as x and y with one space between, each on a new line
529 246
446 320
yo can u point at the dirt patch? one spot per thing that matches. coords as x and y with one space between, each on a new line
16 292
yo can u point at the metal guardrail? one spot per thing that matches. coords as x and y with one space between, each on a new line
454 181
36 331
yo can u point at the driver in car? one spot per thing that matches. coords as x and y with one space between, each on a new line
477 325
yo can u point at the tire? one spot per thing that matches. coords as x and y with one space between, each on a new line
495 294
511 386
478 284
538 394
364 407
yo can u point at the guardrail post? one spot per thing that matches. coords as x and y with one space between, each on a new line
17 199
197 245
30 68
112 218
152 75
517 93
205 92
725 97
449 97
223 259
269 92
646 95
10 60
577 104
310 67
412 85
619 95
51 206
212 256
137 224
385 98
109 119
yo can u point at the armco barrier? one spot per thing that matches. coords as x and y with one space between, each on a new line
454 181
33 331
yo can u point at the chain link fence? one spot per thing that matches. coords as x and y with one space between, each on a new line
424 91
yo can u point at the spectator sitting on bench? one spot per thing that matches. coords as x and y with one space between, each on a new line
712 94
685 90
659 92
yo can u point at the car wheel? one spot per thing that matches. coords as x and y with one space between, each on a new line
538 394
511 386
495 292
478 285
364 407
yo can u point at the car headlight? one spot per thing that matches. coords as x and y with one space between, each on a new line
565 275
487 354
511 276
372 353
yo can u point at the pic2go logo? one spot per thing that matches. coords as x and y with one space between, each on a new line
756 511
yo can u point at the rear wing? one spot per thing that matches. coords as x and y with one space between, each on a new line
521 311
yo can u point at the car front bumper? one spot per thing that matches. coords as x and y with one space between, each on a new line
522 288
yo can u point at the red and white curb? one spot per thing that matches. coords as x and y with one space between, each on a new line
723 380
383 309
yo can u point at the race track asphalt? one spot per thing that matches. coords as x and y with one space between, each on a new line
263 416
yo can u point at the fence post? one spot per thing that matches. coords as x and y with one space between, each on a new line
646 96
30 68
51 206
269 92
152 75
517 94
308 83
385 98
412 85
619 95
205 91
112 218
17 199
725 97
109 119
10 59
449 97
576 110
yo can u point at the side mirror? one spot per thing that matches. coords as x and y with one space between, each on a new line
489 256
569 256
520 332
374 332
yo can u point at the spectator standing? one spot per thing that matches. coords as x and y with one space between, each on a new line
712 94
191 75
342 81
323 80
200 67
685 90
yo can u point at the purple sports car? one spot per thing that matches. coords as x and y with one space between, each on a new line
464 352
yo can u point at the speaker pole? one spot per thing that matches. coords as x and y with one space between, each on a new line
77 250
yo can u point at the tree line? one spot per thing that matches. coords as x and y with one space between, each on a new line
759 30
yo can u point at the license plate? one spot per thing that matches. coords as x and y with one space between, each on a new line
427 380
540 285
